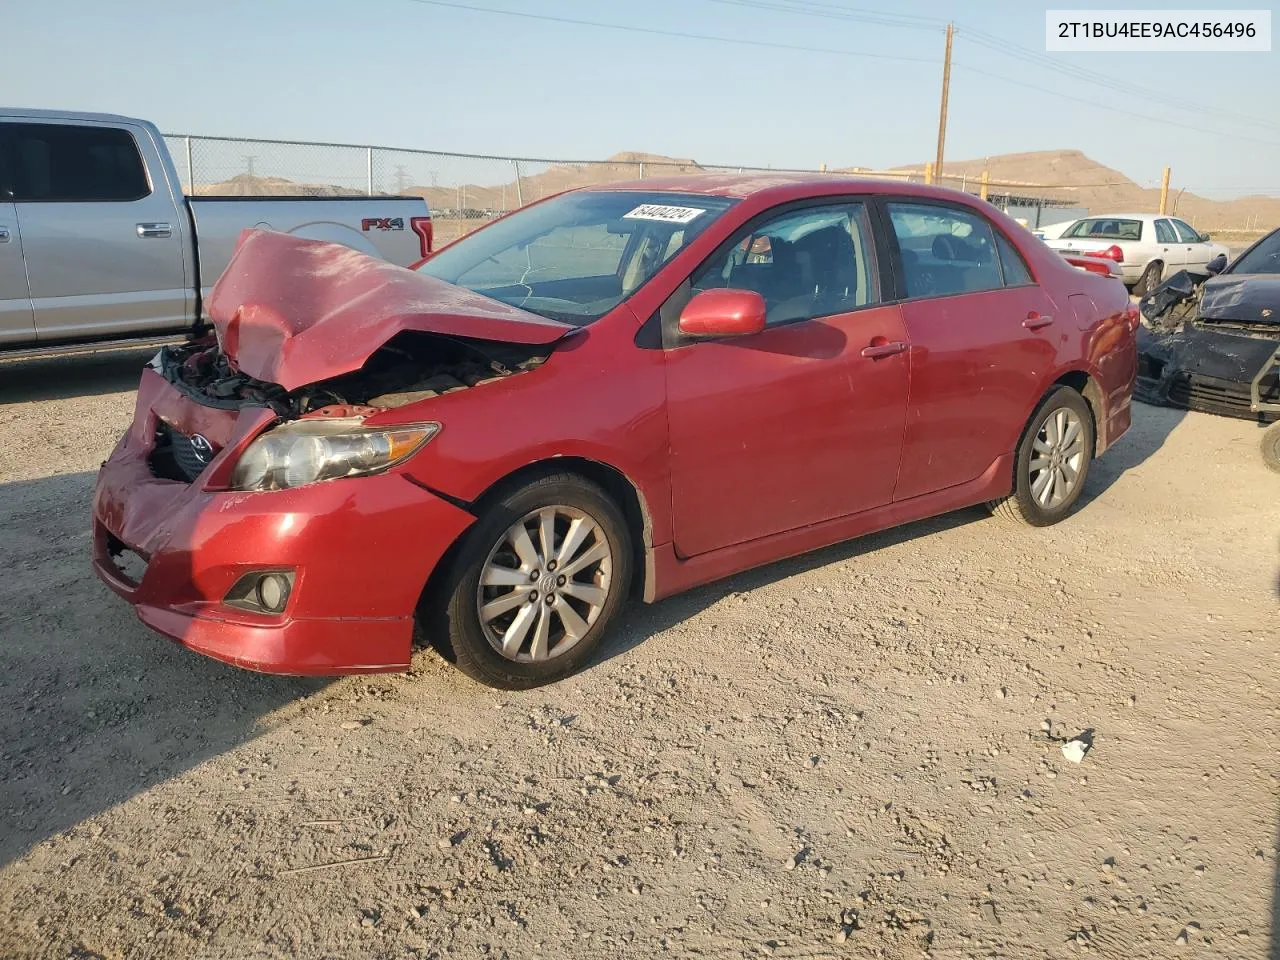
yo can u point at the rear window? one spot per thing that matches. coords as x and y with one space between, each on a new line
58 162
575 257
1106 228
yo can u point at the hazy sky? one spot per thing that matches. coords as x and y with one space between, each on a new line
417 73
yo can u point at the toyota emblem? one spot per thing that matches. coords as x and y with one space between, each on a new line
201 448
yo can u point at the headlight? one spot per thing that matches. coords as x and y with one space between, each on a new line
308 451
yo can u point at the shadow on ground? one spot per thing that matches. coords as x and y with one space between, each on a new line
95 707
1151 427
52 378
639 622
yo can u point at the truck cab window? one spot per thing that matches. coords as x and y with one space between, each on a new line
50 162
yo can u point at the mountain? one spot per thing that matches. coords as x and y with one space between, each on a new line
248 185
1072 176
1066 175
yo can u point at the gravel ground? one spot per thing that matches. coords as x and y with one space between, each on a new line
857 753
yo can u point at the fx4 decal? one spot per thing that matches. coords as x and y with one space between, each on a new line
382 223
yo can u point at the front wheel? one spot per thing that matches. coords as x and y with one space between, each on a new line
535 584
1052 461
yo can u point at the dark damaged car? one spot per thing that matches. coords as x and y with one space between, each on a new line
1211 341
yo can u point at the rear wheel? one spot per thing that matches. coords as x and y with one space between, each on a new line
535 584
1052 461
1150 278
1271 447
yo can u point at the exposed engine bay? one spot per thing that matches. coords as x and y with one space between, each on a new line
410 367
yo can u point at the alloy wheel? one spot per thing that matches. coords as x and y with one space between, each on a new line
544 584
1057 456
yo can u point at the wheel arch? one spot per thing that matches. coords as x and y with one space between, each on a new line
1082 383
624 492
1156 260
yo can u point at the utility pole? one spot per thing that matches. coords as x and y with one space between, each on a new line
1164 192
942 113
248 160
402 178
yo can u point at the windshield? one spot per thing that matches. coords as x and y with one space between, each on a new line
1264 258
577 256
1107 228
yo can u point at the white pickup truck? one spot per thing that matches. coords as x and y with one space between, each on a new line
99 244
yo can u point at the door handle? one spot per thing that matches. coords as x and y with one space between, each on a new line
886 348
1035 320
149 231
4 234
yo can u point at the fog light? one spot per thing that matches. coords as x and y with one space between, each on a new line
265 591
273 592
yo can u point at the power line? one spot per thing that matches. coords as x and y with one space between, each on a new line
852 14
833 12
679 34
1018 81
830 11
1039 59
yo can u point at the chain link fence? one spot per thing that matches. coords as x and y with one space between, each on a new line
465 191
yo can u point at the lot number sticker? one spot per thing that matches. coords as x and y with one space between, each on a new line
663 213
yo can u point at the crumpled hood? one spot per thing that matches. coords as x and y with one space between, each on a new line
1247 298
295 312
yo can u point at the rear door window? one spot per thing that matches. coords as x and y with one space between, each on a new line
1016 273
1164 232
50 162
944 250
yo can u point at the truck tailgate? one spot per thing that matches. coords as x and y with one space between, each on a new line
395 229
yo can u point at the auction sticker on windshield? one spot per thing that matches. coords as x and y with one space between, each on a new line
664 213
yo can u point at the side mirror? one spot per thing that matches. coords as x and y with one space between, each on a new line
723 313
1216 265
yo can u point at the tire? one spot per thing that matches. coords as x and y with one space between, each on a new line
572 613
1149 280
1271 447
1028 502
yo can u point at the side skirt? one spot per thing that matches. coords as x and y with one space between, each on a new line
673 575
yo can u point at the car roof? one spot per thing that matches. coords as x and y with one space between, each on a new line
743 185
19 113
1128 216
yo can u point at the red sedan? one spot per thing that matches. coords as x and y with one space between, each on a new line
615 392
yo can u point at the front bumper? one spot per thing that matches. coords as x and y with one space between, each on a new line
362 551
1205 370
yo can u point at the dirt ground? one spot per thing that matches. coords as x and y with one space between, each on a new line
842 755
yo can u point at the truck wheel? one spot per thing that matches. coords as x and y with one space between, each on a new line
1052 461
1149 280
1271 446
535 585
